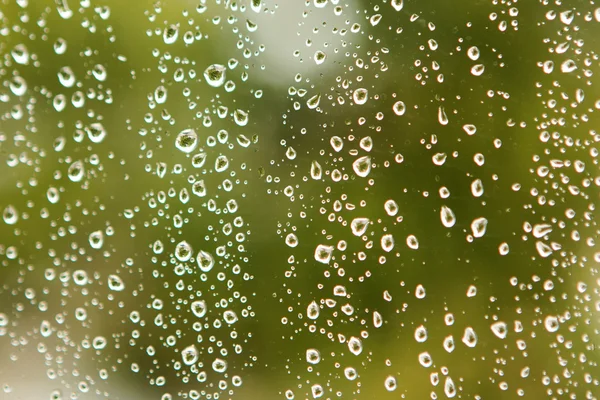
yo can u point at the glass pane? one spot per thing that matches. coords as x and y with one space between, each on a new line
262 199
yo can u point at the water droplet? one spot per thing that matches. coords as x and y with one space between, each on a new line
375 19
205 261
291 240
183 251
447 216
312 311
189 355
76 171
316 172
96 132
96 239
215 75
355 345
199 308
377 319
551 323
412 242
477 188
314 101
313 356
473 53
477 69
221 163
449 388
323 253
362 166
449 345
336 143
469 337
425 359
399 108
479 226
230 317
115 283
421 334
470 129
442 117
499 329
171 33
186 141
390 384
503 249
20 54
360 96
219 365
10 215
319 57
359 226
240 117
397 4
439 159
391 207
543 249
387 242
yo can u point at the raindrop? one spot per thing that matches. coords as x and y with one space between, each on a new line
359 226
390 384
499 329
189 355
421 334
96 239
115 283
76 171
312 311
199 308
551 323
469 337
205 261
360 96
447 216
183 251
316 172
96 132
186 141
412 242
391 207
291 240
479 226
387 242
397 4
215 75
323 253
319 57
170 34
362 166
355 345
313 356
399 108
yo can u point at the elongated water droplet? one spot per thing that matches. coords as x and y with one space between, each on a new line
479 227
447 216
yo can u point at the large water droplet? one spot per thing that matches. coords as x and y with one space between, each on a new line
215 75
362 166
186 140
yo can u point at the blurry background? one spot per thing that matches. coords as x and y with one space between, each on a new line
289 200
